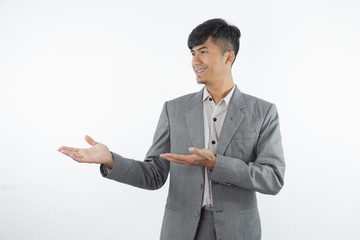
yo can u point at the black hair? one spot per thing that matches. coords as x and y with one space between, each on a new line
223 35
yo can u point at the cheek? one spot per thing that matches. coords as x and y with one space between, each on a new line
218 66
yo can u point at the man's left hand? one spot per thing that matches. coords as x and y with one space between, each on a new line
200 157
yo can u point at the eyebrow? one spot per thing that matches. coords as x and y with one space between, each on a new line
198 49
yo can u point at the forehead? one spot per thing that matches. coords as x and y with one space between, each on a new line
207 44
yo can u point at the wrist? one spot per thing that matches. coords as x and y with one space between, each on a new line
110 161
212 162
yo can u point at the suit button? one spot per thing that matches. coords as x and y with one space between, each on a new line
210 99
196 213
213 142
214 119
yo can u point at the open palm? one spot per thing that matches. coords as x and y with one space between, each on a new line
97 153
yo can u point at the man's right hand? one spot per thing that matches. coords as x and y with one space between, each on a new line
97 153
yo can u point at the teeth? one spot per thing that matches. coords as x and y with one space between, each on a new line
200 70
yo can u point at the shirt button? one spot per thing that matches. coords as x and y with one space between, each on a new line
196 213
214 119
210 99
200 185
213 142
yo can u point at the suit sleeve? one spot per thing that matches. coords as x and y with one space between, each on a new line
266 173
153 171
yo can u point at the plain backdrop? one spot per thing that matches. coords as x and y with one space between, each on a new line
105 68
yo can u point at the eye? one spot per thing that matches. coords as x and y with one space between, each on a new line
203 51
193 53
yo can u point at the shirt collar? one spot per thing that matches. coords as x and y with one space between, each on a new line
226 99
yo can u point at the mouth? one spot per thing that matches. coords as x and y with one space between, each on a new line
199 70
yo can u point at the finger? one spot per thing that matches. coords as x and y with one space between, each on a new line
183 159
66 152
74 155
202 153
165 156
188 158
68 149
90 141
175 160
168 157
195 151
77 157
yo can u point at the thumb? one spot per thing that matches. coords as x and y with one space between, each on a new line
90 141
194 150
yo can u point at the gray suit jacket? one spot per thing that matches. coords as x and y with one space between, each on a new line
249 159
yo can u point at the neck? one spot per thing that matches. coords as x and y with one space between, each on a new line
220 91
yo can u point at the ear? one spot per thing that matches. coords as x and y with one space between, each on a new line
230 57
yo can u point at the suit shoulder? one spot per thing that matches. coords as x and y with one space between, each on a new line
258 106
256 102
182 99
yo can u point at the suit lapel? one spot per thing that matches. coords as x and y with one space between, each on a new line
195 120
232 121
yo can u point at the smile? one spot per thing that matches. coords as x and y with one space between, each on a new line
200 70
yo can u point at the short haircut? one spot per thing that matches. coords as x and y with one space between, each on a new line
223 35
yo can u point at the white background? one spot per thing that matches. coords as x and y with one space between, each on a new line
104 68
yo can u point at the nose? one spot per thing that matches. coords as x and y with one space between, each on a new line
196 60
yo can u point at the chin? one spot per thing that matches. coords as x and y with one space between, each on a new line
201 81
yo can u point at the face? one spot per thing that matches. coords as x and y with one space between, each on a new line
209 62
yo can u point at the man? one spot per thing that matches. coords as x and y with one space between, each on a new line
234 143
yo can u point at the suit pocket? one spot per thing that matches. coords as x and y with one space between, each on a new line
243 145
246 135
